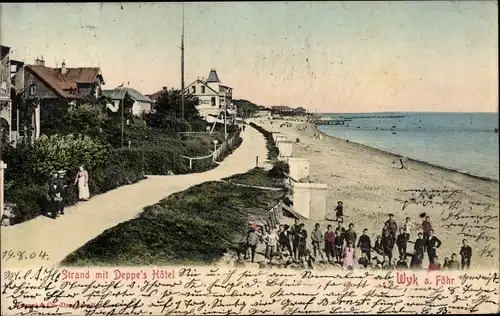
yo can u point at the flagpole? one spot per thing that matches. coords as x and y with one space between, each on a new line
182 63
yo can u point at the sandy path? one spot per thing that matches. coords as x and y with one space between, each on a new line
85 221
369 182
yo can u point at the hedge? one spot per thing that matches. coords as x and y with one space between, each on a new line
27 180
272 150
31 200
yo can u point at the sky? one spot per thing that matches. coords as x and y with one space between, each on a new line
325 56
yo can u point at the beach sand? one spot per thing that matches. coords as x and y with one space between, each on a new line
370 184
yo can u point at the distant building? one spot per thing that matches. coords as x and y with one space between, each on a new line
281 110
154 97
141 104
45 85
5 95
212 95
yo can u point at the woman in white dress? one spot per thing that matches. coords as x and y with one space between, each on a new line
82 178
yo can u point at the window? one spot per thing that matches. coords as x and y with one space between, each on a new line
202 89
213 101
194 89
32 89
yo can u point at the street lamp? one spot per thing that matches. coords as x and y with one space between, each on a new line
215 144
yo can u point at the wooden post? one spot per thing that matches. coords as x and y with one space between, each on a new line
256 161
2 167
190 163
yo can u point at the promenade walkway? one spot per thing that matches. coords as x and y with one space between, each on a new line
87 220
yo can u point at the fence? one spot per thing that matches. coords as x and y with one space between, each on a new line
196 133
216 153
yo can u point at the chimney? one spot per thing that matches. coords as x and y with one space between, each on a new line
40 62
64 70
203 79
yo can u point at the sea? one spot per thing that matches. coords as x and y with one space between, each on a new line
466 142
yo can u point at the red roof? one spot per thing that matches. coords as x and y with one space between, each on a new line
156 96
60 83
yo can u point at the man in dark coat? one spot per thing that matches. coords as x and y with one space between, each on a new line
55 197
465 254
388 245
393 227
63 188
365 244
432 245
402 242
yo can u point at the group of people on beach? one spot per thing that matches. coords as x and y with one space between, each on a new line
57 192
340 246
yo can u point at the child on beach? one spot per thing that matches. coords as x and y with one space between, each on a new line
339 245
339 211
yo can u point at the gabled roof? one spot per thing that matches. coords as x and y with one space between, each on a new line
53 78
203 83
119 93
212 76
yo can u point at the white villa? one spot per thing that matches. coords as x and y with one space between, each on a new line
212 95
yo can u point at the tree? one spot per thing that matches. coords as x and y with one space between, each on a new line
60 118
168 112
246 108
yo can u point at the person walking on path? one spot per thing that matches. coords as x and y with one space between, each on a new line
365 244
433 244
317 237
54 197
330 244
64 190
82 179
466 255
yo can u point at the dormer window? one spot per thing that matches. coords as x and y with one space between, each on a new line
32 89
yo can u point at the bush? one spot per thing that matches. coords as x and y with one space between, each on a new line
123 167
28 201
280 170
67 152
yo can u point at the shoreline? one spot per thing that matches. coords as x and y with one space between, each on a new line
371 185
414 160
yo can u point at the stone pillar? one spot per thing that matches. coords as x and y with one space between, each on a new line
2 168
285 149
299 168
